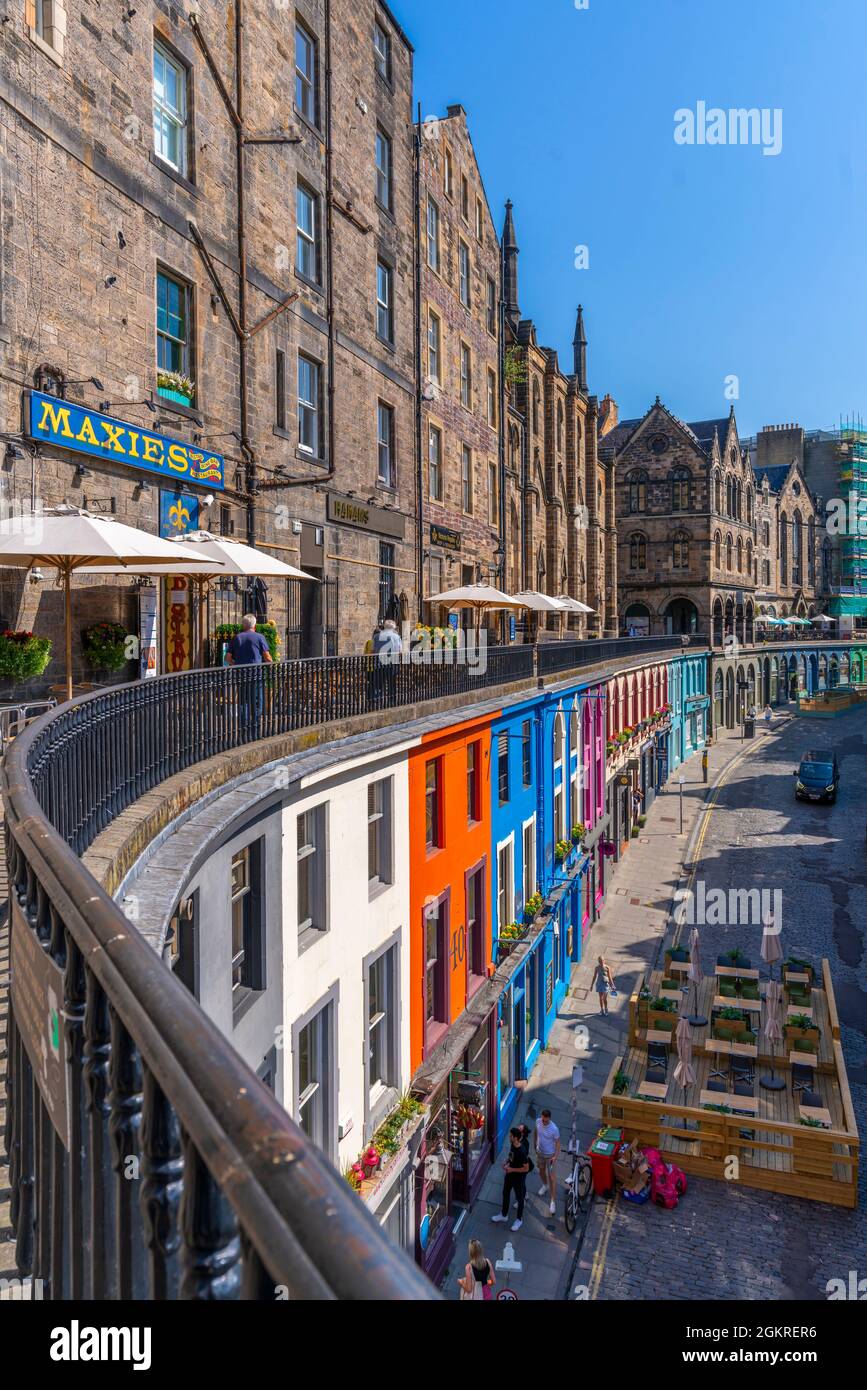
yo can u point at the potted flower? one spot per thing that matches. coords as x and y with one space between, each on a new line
562 850
105 646
174 386
370 1160
533 905
578 832
610 747
22 655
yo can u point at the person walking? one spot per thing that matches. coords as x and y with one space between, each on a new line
387 651
768 716
516 1167
547 1145
249 648
478 1278
603 982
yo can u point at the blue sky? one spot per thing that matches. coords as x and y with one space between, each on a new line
705 261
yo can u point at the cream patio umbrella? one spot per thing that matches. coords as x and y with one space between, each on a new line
480 597
773 1032
696 1020
205 557
684 1072
70 539
573 605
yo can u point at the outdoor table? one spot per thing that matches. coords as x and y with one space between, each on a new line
716 1097
731 970
751 1005
792 978
749 1104
803 1059
718 1045
815 1112
654 1090
670 994
678 967
794 1010
744 1050
658 1035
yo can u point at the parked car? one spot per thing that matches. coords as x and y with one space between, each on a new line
818 777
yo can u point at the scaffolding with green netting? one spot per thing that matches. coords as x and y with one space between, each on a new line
853 476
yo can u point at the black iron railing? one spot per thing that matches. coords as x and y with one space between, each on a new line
159 1166
573 656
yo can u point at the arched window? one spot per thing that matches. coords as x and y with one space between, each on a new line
540 570
811 551
729 491
717 492
766 534
680 550
680 489
637 551
750 506
750 558
637 492
717 550
784 548
797 548
559 738
740 555
536 399
728 552
559 426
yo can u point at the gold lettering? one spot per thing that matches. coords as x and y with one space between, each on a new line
87 434
178 458
59 419
153 450
113 434
133 437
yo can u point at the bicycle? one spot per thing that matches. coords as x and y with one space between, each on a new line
579 1185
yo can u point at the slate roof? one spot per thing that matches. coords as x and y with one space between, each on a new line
704 431
776 476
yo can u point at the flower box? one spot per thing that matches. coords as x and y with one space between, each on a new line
169 395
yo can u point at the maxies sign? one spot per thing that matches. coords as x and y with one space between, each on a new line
73 426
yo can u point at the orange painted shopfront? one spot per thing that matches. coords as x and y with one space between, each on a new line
450 878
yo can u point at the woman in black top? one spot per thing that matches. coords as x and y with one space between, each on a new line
516 1168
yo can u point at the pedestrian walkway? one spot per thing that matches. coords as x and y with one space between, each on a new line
630 933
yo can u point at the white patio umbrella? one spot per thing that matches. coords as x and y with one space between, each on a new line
821 618
696 1020
773 1031
573 605
476 596
772 947
539 603
205 556
684 1072
68 539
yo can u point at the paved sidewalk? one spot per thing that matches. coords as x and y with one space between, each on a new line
630 934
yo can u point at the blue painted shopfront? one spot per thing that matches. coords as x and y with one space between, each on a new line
543 786
689 698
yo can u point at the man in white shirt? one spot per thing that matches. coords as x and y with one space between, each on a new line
547 1144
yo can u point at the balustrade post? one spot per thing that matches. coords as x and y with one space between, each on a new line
211 1255
125 1101
98 1242
78 1196
162 1168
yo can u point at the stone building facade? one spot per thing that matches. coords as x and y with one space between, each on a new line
460 340
558 499
686 525
120 254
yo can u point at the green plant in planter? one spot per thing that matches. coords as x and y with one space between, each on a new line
720 1109
578 832
176 386
105 646
735 955
562 850
22 655
621 1083
634 832
811 1124
663 1006
533 905
800 1021
610 747
513 931
642 820
732 1015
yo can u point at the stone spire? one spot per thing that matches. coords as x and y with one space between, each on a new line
579 344
510 267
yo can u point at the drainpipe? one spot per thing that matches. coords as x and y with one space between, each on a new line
243 339
419 465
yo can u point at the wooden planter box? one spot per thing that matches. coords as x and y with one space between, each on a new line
808 1034
730 1027
657 1016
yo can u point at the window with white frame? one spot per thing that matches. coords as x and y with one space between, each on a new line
379 820
385 444
434 334
383 170
435 463
464 273
467 479
559 739
384 302
433 235
382 1018
382 51
505 886
309 397
307 220
315 1079
559 814
305 73
312 867
529 848
170 107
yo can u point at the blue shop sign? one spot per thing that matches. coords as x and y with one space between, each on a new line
75 427
179 513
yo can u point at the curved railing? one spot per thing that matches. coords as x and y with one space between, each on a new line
146 1159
